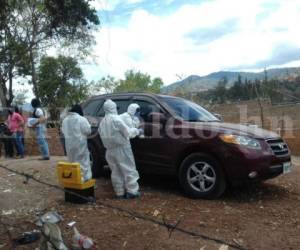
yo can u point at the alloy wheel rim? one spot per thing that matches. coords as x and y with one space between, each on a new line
201 176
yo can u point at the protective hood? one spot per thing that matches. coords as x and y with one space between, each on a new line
132 109
110 107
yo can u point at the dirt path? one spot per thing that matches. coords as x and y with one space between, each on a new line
265 216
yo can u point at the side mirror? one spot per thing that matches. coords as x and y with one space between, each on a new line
156 117
220 117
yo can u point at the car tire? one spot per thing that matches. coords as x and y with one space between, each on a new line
96 164
201 176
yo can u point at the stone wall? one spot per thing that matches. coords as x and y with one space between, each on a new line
55 146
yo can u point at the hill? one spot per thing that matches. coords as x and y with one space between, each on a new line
195 83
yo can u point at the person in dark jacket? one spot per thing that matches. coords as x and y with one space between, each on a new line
6 140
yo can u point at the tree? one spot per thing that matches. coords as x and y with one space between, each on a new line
105 85
43 23
20 97
156 85
13 59
236 91
297 92
60 84
29 27
220 90
139 82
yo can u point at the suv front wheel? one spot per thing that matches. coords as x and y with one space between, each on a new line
201 176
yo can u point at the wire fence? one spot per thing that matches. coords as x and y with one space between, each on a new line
171 228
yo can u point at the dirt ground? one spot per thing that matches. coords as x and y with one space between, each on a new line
264 216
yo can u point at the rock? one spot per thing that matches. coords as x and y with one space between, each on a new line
156 213
8 212
223 247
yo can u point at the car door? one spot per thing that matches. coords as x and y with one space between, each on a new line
151 151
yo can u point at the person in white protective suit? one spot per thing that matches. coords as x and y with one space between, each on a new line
76 129
115 135
131 116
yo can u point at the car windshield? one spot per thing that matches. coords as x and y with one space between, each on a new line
189 111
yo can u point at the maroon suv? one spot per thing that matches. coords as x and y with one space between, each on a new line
181 138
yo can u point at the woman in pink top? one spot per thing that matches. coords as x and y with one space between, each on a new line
16 126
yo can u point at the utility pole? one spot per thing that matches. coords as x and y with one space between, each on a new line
259 104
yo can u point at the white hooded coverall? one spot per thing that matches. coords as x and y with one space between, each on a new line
129 117
76 129
115 137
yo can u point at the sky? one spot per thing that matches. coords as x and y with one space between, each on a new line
173 39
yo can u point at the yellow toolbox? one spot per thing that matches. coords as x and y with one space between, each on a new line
69 173
69 176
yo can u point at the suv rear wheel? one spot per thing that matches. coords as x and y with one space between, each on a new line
201 176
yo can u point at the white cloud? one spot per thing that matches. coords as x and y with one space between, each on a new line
134 1
104 4
159 45
111 4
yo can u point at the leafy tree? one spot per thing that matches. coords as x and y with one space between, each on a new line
139 82
13 58
156 85
20 97
297 92
105 85
61 83
236 91
272 89
29 27
45 22
220 90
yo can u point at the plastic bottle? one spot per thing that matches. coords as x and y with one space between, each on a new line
80 241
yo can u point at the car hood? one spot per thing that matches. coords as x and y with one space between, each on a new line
237 129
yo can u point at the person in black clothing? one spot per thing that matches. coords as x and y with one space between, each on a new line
5 137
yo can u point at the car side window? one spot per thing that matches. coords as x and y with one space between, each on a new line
122 106
101 112
91 108
146 108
